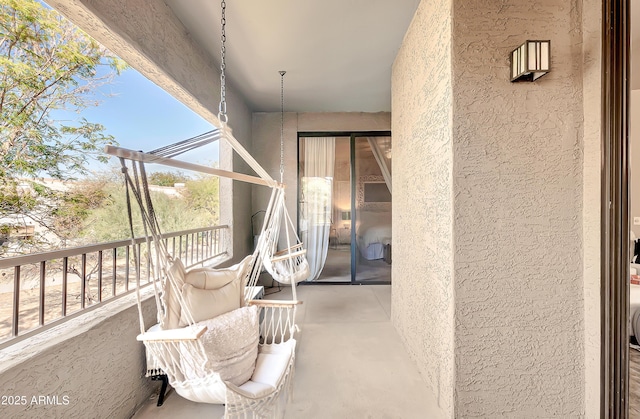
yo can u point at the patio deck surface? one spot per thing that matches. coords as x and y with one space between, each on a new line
350 362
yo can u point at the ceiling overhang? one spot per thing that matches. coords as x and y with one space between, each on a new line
338 54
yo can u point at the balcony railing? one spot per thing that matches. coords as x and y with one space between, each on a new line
44 289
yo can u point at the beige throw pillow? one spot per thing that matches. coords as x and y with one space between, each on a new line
209 292
213 278
207 304
231 345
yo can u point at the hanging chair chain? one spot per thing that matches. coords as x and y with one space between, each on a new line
282 73
222 109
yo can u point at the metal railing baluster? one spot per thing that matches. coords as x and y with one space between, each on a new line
114 275
139 261
148 258
100 276
186 247
83 281
126 269
194 247
16 300
65 267
43 277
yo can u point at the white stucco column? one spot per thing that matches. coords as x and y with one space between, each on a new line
423 258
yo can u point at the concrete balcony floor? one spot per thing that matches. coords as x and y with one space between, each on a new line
350 362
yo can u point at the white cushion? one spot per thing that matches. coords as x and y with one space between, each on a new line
231 345
207 304
211 278
209 292
171 317
256 389
272 362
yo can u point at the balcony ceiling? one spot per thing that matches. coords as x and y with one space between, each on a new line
338 54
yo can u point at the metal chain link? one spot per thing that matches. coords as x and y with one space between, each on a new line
282 73
222 108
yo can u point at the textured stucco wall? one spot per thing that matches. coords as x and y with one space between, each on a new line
266 149
344 121
422 288
490 287
592 92
518 213
92 360
150 38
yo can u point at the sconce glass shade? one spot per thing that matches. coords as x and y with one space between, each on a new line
530 61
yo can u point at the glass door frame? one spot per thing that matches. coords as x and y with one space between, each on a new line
614 263
352 136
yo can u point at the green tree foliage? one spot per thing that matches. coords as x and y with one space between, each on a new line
204 194
63 212
109 221
47 65
75 206
167 178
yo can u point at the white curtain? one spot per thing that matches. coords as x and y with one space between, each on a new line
381 148
316 201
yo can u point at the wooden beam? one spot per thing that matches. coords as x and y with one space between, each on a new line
275 303
185 333
248 158
150 158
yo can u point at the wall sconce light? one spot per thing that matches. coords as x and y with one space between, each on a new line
530 61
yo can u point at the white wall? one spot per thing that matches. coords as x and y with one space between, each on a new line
592 97
518 213
490 287
422 270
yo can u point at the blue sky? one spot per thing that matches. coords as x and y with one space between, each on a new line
142 116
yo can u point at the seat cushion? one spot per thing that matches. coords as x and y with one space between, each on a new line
256 389
272 362
271 365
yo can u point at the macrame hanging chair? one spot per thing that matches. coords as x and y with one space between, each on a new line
214 344
288 266
243 358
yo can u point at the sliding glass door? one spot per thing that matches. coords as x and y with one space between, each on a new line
344 206
371 207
